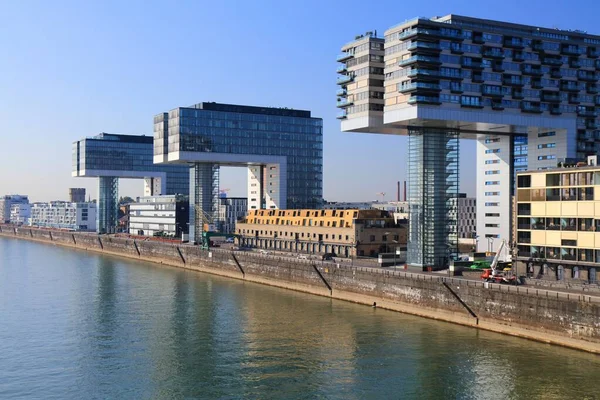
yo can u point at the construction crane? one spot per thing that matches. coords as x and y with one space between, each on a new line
494 274
382 194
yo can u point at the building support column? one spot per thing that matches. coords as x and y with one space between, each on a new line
108 204
433 193
204 198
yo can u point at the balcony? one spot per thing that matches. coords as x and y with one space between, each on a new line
515 43
423 72
587 113
518 56
512 80
344 57
555 110
592 52
424 100
592 89
551 97
493 52
536 83
493 91
552 61
517 94
342 115
587 76
343 103
342 80
477 38
497 106
574 99
469 63
419 59
569 86
531 108
342 68
591 124
341 92
477 78
456 48
574 63
418 45
419 86
556 74
570 50
528 69
419 31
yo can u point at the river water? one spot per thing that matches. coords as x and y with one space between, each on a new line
75 325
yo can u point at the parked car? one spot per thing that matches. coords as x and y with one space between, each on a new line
264 252
229 240
329 256
302 257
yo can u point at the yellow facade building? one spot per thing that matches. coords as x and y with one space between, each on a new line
558 223
343 232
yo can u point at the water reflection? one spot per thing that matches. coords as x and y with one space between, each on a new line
111 328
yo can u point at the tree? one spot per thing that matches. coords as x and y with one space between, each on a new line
125 200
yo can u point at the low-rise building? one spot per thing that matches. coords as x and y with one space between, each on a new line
166 216
231 209
20 213
558 224
346 233
7 201
64 215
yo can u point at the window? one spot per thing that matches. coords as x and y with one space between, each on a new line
492 193
492 161
490 183
549 157
546 134
547 146
372 238
492 151
492 204
492 225
492 214
492 172
524 181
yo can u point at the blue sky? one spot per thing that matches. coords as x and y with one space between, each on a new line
72 69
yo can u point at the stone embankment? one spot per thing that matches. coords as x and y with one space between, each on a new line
567 319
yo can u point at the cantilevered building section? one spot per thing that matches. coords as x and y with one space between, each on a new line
528 95
110 157
282 149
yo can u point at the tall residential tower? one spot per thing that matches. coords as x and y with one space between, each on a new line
528 95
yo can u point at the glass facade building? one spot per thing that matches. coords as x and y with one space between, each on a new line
528 95
110 157
282 149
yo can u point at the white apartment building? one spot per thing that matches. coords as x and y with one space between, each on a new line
64 215
159 215
6 202
20 214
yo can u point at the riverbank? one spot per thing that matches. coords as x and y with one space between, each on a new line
568 320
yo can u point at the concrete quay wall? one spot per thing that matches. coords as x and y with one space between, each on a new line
566 319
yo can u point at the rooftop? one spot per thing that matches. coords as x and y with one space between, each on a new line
501 26
284 112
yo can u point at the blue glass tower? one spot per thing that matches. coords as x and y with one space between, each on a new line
111 157
282 149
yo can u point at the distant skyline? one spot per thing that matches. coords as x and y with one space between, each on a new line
75 69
